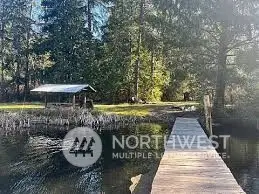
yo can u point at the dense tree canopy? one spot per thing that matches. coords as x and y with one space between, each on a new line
152 49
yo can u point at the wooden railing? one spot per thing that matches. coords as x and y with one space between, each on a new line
208 112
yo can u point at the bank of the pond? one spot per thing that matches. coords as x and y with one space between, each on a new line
242 116
12 120
79 117
145 109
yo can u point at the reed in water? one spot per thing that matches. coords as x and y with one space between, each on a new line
60 117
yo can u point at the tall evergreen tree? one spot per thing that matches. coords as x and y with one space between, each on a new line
66 39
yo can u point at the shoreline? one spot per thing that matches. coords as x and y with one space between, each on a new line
79 117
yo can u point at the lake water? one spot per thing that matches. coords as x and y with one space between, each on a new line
243 152
31 161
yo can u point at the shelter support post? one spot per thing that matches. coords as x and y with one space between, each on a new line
84 100
46 100
74 100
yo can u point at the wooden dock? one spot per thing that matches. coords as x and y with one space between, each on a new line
195 169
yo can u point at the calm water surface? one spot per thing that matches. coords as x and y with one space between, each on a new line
243 152
32 162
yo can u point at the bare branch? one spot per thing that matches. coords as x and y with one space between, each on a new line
211 34
211 50
243 43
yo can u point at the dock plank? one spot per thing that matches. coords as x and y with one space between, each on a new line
192 170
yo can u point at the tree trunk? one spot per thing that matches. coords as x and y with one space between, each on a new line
2 71
2 79
219 102
89 14
2 31
137 66
17 79
26 85
130 85
26 78
2 54
152 61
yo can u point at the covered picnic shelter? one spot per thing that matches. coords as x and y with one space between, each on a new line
64 89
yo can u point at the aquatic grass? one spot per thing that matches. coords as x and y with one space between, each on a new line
59 117
12 121
103 115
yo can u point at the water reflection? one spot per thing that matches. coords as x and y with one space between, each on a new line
243 161
32 162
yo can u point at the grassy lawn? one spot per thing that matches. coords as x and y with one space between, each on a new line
20 106
120 109
139 109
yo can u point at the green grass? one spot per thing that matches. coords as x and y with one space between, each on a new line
120 109
139 109
19 106
125 109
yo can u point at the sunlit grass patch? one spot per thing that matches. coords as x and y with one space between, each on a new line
139 109
181 103
19 106
125 109
120 109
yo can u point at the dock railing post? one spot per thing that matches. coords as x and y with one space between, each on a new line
208 111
